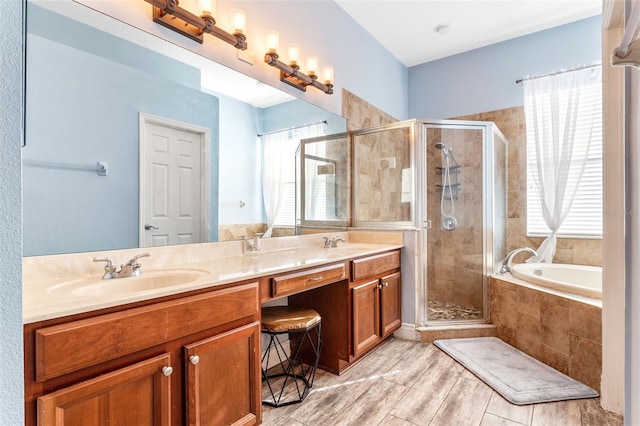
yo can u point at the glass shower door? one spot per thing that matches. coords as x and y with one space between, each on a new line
456 209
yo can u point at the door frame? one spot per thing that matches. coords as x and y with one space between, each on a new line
205 169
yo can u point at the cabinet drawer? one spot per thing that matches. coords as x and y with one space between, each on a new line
284 285
374 265
68 347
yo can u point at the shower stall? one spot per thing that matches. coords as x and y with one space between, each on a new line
444 183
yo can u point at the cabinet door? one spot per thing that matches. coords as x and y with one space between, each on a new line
390 302
366 316
223 378
135 395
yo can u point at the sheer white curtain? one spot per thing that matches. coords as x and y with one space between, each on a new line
278 167
556 112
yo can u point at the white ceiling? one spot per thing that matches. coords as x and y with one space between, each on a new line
407 27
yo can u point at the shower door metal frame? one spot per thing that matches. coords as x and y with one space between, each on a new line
488 176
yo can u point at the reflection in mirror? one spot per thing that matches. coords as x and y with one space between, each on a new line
324 183
382 173
94 97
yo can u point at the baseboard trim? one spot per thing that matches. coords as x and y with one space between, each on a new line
407 332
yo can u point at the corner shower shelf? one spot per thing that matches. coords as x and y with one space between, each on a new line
452 170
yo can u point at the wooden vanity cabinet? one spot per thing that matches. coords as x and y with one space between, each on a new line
190 360
376 301
139 394
358 313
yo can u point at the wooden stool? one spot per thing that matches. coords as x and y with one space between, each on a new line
297 370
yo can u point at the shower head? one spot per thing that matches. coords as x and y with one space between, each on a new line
446 150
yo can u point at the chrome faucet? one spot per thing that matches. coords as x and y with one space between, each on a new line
506 263
252 244
129 269
331 243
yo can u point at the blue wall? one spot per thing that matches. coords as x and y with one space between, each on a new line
240 175
94 119
484 79
11 108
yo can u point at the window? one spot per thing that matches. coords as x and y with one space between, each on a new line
279 172
553 114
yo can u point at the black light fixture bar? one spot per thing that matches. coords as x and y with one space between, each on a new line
168 14
292 75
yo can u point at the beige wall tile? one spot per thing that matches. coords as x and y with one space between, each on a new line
555 328
585 363
586 321
555 358
528 337
528 302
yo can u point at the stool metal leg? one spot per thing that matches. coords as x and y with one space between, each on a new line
294 372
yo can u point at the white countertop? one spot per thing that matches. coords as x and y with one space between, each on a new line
53 297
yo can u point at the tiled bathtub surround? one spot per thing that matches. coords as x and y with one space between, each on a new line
561 332
578 251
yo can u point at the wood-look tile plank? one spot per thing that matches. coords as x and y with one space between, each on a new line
469 375
423 400
594 414
412 364
503 408
327 401
373 393
394 421
465 404
492 420
565 413
372 406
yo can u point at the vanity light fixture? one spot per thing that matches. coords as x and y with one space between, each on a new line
168 13
291 74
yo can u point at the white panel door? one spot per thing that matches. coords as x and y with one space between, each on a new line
170 186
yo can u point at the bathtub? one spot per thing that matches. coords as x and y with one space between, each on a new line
574 279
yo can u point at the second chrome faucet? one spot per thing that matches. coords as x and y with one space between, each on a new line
333 242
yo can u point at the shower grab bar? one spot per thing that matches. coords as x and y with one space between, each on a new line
101 167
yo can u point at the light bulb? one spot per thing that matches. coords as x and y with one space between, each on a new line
208 7
273 39
327 73
294 54
239 21
312 65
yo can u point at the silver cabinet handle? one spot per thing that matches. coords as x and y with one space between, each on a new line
194 359
167 371
148 227
315 278
379 286
386 284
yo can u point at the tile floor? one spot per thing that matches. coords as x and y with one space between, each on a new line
404 383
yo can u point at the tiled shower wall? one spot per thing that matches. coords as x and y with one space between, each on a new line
580 251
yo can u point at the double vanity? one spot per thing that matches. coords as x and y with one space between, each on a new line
181 342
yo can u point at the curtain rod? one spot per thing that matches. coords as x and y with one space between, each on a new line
293 128
520 80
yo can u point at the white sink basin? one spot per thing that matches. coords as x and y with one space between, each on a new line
152 280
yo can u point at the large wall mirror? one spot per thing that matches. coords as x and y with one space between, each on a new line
110 122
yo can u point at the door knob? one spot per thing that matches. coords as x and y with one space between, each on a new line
167 371
194 359
147 226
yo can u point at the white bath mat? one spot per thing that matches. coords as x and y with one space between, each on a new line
519 378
